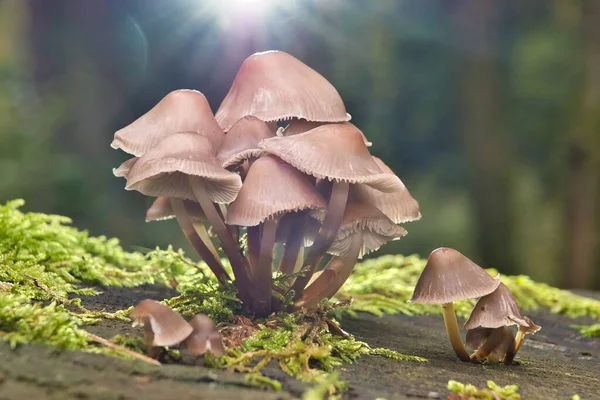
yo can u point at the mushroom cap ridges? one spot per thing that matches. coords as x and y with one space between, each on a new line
179 111
274 86
161 210
271 188
335 152
449 276
496 309
167 328
164 170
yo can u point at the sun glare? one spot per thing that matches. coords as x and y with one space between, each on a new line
229 12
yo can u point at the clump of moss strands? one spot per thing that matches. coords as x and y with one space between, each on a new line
46 266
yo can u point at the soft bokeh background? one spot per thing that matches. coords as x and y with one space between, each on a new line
489 111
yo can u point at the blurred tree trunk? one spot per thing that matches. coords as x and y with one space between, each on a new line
486 144
583 166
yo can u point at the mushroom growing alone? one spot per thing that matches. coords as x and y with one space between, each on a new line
162 326
447 277
497 310
204 337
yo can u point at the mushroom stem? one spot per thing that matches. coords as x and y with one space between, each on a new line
333 276
519 338
203 233
253 233
489 345
263 272
199 243
238 263
293 244
326 235
511 352
454 333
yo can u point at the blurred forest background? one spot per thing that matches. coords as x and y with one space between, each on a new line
489 111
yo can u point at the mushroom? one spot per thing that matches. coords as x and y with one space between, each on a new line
241 142
495 344
399 206
204 337
271 189
184 166
275 86
364 229
297 126
161 210
162 326
335 152
449 276
179 111
496 310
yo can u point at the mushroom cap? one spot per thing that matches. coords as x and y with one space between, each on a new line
241 142
449 276
377 229
496 309
297 126
205 337
163 326
399 206
122 170
161 210
335 152
164 170
179 111
477 336
271 188
274 86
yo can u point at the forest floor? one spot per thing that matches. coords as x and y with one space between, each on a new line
556 363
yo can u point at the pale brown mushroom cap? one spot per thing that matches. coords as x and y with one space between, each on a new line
449 276
274 86
271 188
297 126
399 206
122 170
496 309
163 326
164 170
377 229
241 142
335 152
161 210
179 111
205 337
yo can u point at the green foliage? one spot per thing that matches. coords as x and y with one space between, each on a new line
492 392
383 285
326 389
588 330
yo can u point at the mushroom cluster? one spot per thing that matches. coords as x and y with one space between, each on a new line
278 166
163 327
449 276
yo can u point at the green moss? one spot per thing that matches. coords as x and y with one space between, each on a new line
328 388
493 391
588 330
383 285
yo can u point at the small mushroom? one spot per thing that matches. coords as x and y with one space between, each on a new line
275 86
241 142
204 337
496 310
449 276
162 326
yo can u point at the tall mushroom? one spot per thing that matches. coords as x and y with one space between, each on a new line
271 189
447 277
275 86
496 310
184 166
335 152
